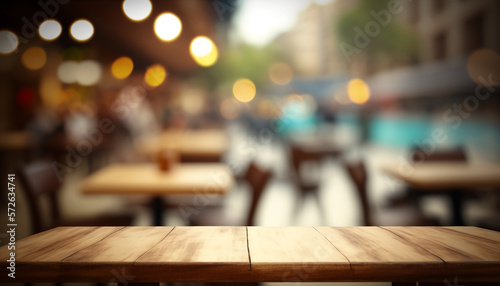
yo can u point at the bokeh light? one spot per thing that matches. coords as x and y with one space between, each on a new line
358 91
203 51
168 27
81 30
155 75
66 72
8 42
49 30
280 73
50 89
137 10
244 90
229 108
298 105
88 73
122 67
193 102
482 64
34 58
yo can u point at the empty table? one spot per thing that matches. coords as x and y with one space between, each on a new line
147 179
453 177
256 254
192 145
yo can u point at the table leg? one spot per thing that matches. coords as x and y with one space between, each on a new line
157 211
457 203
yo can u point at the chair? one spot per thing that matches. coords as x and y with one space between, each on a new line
300 157
39 180
398 217
257 179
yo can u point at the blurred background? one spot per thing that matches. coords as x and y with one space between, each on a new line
315 91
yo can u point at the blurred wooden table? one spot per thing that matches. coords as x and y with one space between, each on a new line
204 145
448 176
256 254
147 179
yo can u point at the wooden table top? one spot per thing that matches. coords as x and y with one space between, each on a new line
447 175
147 179
245 254
204 142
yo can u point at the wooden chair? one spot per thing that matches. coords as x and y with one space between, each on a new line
299 158
257 179
39 180
403 216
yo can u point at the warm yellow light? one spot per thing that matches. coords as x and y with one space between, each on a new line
358 91
168 27
230 108
8 42
49 30
50 90
122 67
280 73
155 75
34 58
137 10
203 51
201 46
81 30
244 90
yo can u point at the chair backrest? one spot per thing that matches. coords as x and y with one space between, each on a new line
257 179
39 179
419 155
357 173
299 157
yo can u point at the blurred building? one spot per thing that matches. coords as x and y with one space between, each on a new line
311 45
451 29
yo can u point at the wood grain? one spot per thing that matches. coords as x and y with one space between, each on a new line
477 231
295 254
447 175
466 256
115 254
147 179
249 254
375 253
208 254
38 256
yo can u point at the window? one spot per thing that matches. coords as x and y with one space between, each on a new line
473 36
440 46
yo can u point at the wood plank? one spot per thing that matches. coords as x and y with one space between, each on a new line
241 254
147 179
465 256
114 254
477 231
378 255
38 256
447 175
294 254
197 254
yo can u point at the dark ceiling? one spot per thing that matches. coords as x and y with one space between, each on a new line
115 34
